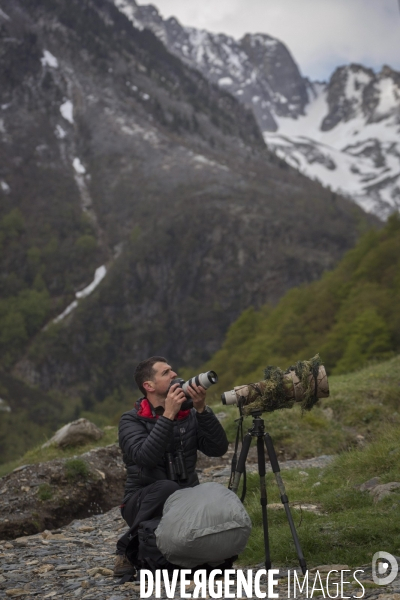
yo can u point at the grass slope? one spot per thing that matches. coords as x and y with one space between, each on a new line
351 527
350 316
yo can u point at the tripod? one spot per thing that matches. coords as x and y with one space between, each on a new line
257 431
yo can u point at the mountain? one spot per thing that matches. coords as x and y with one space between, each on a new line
350 316
344 133
140 213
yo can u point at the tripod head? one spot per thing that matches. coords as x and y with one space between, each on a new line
257 429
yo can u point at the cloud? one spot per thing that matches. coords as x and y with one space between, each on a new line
321 34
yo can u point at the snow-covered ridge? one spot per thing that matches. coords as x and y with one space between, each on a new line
359 155
345 133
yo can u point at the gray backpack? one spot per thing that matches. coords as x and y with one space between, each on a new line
204 524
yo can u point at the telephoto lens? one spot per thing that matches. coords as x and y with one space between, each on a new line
206 380
305 382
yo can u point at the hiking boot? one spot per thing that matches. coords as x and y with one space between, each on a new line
123 566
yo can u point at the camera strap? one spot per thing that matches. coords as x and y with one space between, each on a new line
239 434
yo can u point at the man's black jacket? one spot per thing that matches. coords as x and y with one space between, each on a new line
144 442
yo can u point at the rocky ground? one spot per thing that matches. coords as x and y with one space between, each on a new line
76 561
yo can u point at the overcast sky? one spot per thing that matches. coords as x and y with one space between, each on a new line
321 34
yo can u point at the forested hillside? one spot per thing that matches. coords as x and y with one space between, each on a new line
117 159
350 316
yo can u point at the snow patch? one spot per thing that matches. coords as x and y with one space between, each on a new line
99 275
4 15
202 160
355 84
279 98
59 132
358 158
78 166
49 60
4 406
66 312
67 111
263 40
389 96
225 81
129 11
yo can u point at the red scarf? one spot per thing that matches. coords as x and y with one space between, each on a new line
145 411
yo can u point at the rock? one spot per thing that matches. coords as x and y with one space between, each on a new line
314 508
380 492
327 568
22 468
370 484
58 495
75 433
100 571
44 569
328 413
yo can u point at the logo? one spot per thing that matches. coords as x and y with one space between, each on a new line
384 568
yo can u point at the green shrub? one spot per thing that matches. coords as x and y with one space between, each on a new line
76 468
45 492
12 224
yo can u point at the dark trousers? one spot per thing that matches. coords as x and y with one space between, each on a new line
144 505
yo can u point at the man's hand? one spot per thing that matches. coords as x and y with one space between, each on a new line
173 401
198 393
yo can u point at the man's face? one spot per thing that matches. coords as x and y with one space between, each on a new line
163 375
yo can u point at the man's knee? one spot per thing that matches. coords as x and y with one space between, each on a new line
165 488
168 487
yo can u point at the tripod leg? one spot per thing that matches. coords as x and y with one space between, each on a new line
241 464
263 499
284 499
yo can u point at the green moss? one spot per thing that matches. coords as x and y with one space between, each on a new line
76 468
45 492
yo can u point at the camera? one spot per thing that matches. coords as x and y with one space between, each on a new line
204 379
304 382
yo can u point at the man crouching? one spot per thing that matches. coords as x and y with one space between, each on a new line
155 430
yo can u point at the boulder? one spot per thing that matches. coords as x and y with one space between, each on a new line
370 484
379 492
75 433
51 494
